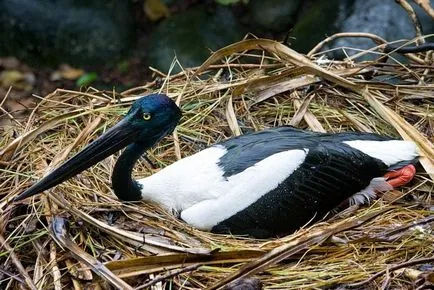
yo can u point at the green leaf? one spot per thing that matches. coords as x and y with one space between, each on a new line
87 79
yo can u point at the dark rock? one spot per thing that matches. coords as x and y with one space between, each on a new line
274 15
383 18
320 20
77 32
190 35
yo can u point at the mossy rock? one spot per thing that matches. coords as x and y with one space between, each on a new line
386 19
274 15
78 32
190 35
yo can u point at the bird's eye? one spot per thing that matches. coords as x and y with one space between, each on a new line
146 116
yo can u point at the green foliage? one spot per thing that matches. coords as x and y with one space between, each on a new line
87 79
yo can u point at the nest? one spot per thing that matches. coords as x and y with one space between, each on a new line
79 235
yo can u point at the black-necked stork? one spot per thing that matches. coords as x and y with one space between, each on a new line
260 184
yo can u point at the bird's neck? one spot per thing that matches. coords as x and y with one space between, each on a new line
124 186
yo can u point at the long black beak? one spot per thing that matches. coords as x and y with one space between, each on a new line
114 139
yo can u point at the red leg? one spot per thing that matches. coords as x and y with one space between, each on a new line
401 176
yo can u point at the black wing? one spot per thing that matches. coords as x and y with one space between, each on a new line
246 150
331 173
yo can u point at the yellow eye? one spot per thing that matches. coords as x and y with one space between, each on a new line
146 116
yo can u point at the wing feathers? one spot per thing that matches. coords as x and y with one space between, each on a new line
329 174
244 189
390 152
276 180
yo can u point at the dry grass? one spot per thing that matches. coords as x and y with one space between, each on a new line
78 234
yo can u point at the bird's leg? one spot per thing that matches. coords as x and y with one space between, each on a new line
401 176
395 178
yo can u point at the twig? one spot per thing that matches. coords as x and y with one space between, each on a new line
389 235
92 96
301 111
6 112
425 6
169 274
16 261
287 250
429 58
407 7
49 208
4 163
391 269
375 38
310 118
55 271
246 65
404 228
382 43
385 284
62 237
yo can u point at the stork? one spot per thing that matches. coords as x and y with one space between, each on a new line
261 184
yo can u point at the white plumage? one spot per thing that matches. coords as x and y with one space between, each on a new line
390 152
196 188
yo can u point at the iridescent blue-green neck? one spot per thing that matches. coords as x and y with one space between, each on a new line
124 186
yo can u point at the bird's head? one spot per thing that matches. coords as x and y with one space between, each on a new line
149 119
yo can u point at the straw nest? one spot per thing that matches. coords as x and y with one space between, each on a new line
78 235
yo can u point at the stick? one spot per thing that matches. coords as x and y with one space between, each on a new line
381 42
425 6
169 274
375 38
407 7
391 269
18 265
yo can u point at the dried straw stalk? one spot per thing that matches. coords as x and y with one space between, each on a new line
249 85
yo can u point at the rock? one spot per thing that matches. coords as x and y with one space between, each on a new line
316 23
66 31
274 15
383 18
17 79
190 35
